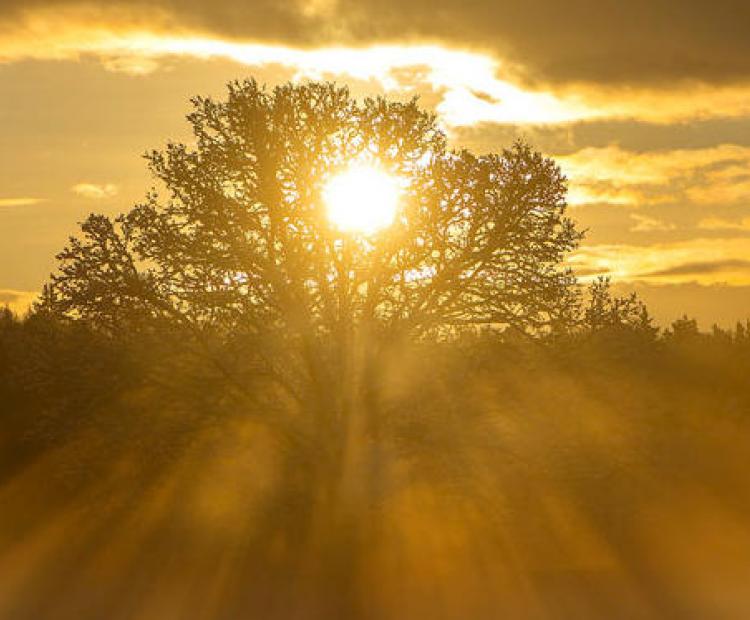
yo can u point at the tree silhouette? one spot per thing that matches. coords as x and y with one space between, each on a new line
606 312
683 330
240 247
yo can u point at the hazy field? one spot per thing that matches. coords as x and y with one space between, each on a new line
601 478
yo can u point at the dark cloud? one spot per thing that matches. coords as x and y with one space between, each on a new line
266 20
701 268
603 41
598 41
631 135
643 136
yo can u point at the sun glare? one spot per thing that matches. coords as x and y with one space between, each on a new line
362 199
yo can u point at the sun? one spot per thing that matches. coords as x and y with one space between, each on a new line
362 199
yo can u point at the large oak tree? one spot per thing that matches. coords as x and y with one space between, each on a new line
237 245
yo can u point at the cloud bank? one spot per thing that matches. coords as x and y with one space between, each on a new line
636 42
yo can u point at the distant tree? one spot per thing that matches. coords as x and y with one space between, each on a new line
683 330
739 332
742 332
240 248
8 329
607 312
720 335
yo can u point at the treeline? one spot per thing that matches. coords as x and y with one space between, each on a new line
595 473
62 378
54 374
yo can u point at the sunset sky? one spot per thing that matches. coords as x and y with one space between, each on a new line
644 104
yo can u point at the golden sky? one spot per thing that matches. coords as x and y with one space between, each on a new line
645 105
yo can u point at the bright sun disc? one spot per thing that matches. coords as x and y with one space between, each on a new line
362 199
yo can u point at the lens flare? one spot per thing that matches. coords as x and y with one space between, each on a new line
362 199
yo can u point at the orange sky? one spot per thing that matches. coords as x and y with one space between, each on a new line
646 108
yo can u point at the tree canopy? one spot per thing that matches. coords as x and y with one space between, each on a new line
237 241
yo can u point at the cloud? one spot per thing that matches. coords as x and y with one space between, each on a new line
728 184
476 58
705 261
613 175
642 41
644 223
19 202
130 64
638 42
716 223
703 268
94 191
465 84
628 134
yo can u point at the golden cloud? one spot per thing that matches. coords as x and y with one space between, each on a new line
19 202
644 223
473 84
716 223
617 176
94 191
626 43
704 261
